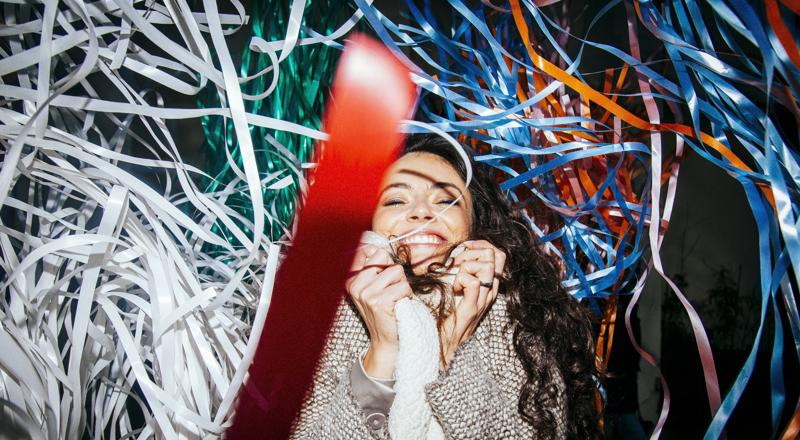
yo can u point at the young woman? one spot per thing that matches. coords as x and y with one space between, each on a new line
516 350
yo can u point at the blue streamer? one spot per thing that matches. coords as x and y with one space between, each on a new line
481 62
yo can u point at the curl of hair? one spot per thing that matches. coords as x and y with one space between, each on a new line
552 331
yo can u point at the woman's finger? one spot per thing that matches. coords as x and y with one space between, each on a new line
468 311
487 255
499 256
376 262
380 257
478 244
483 270
356 284
493 292
499 261
484 274
469 286
373 260
360 258
391 275
395 292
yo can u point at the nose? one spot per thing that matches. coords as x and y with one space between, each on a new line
420 209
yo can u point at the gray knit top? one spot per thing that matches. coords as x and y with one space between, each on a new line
475 397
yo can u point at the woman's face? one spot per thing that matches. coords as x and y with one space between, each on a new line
415 194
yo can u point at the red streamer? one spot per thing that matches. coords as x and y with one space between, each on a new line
372 93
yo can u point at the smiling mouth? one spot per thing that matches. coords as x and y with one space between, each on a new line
422 239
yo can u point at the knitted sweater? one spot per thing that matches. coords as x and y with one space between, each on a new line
475 397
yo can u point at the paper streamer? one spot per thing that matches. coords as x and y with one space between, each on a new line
372 94
134 293
506 83
114 320
296 92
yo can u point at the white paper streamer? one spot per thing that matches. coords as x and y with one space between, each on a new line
125 313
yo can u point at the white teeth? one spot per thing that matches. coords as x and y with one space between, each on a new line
422 239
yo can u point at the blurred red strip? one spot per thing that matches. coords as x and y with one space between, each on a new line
372 93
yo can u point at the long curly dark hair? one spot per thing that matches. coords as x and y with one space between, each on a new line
550 327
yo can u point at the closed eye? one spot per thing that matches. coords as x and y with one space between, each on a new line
392 202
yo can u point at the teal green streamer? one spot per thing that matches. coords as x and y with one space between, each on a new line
303 86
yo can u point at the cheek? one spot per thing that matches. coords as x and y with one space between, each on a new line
382 222
460 225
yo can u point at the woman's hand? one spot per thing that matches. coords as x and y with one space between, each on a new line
375 287
477 282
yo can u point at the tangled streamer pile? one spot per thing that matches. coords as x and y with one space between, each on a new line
133 283
115 320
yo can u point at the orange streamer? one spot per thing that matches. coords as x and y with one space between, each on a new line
783 34
617 88
606 334
794 5
792 431
610 105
